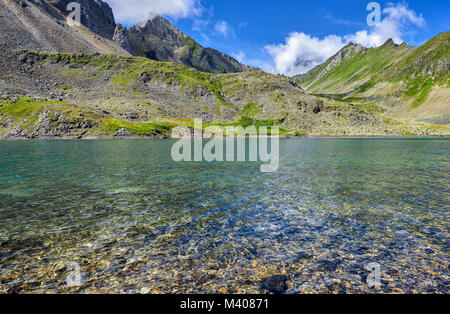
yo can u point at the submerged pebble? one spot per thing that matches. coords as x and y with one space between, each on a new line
274 284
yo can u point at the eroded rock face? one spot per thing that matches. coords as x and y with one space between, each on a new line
41 25
50 124
96 15
120 37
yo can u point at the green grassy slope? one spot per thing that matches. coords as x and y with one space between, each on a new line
83 95
389 74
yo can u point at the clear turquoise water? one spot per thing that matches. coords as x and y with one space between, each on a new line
133 219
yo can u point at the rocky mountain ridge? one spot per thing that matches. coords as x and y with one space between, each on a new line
41 25
90 95
345 53
48 91
406 82
157 39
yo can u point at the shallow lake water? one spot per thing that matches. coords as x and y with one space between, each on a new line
133 220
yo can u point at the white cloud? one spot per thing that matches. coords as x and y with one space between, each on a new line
199 24
240 56
302 52
398 18
135 11
223 28
402 13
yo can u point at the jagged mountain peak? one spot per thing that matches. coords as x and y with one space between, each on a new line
152 19
157 39
155 16
344 53
390 43
351 45
156 26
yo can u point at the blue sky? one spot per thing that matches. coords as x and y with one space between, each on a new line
290 37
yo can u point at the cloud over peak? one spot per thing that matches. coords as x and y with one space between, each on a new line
397 20
302 52
223 28
135 11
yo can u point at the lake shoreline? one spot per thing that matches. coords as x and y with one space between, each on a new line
159 137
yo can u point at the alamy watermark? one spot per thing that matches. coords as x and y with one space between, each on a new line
374 17
74 17
231 144
374 277
73 278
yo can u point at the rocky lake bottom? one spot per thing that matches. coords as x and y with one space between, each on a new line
134 221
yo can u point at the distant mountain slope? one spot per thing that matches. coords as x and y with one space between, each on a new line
157 39
103 90
408 82
84 95
40 25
